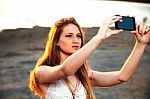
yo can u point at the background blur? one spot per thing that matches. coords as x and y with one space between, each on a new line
24 27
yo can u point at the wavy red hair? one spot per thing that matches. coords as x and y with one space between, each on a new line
51 57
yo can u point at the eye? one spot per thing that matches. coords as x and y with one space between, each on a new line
79 36
69 36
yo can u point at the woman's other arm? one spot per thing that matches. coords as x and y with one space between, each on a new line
124 74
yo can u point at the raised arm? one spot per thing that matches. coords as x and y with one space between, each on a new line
75 61
106 79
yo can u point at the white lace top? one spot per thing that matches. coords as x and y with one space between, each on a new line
59 90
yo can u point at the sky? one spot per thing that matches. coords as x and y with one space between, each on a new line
88 13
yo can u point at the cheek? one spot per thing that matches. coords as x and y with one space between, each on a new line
80 42
63 43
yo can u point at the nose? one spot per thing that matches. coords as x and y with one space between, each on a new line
75 40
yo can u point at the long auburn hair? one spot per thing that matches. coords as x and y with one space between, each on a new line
51 57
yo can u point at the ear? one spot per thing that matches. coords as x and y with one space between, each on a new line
57 44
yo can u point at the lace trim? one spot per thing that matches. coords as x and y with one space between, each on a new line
60 90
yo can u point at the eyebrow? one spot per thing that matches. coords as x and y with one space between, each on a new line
72 33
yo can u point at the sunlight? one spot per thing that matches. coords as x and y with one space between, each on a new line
28 13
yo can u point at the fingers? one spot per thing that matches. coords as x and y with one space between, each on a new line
143 29
140 33
113 19
117 31
140 30
147 30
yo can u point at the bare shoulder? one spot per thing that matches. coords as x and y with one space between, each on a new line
40 71
42 68
47 74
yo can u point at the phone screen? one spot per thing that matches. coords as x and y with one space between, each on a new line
127 23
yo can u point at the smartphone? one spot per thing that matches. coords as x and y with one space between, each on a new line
127 23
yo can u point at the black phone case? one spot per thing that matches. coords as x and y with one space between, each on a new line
127 23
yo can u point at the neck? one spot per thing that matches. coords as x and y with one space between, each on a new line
63 56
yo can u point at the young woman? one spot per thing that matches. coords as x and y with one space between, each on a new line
63 73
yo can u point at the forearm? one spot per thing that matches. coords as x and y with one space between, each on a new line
75 61
105 79
132 62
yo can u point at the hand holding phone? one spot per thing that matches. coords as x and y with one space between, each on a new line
127 23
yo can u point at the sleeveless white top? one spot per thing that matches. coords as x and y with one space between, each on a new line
59 90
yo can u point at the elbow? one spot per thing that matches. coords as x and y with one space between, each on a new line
68 71
124 79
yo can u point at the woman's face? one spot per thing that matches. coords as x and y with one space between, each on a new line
70 39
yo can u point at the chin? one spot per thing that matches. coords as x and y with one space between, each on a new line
73 51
